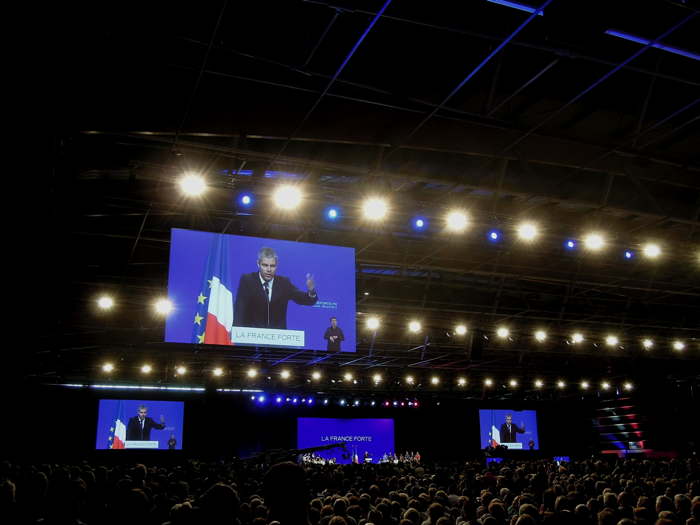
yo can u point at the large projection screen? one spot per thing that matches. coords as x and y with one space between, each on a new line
513 429
139 424
253 291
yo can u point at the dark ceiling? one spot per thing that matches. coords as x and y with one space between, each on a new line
564 125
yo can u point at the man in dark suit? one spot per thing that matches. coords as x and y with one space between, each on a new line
139 427
262 296
334 335
509 430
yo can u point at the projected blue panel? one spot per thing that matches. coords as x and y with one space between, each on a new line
139 424
514 429
252 291
371 438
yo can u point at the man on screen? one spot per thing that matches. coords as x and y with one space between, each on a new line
509 430
262 296
334 335
139 426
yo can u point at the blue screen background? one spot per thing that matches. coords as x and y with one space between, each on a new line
314 432
526 418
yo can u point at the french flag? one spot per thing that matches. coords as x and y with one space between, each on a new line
495 436
214 317
118 430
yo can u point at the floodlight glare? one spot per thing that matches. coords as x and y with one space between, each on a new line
414 327
647 344
513 383
577 337
252 372
285 374
105 302
287 197
540 335
347 376
651 250
373 323
461 381
527 231
612 340
163 306
457 221
377 378
594 242
316 375
146 369
539 383
108 367
502 332
488 382
435 380
192 185
410 380
375 209
181 370
678 345
460 329
218 372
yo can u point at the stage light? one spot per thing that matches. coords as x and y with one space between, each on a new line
375 209
146 369
461 381
310 401
502 332
570 244
192 185
561 384
513 383
612 340
594 242
218 372
629 254
295 400
332 213
285 374
457 221
395 403
435 380
105 302
577 337
527 231
316 375
410 380
261 399
342 402
357 403
373 403
163 306
605 385
278 399
540 335
648 344
377 378
252 373
325 401
488 382
460 329
651 250
585 385
347 376
386 403
373 323
419 223
108 367
414 327
181 370
678 345
287 197
628 386
494 236
245 200
539 383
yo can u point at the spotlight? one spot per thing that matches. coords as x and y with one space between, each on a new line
252 372
375 209
285 374
146 369
540 336
287 197
513 383
342 402
410 380
612 340
461 381
577 337
414 327
278 399
108 367
494 236
419 223
488 382
316 375
628 386
629 254
651 250
218 372
373 403
585 385
325 401
357 403
386 403
461 329
181 370
105 302
377 378
435 380
261 399
570 244
678 345
310 401
527 231
502 332
561 384
192 185
594 242
347 376
647 344
245 200
396 403
332 213
605 385
457 221
295 400
373 323
539 383
163 306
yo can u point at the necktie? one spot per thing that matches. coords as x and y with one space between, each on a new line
266 285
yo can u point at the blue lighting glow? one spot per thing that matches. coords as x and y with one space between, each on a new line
342 402
657 45
245 200
278 399
494 236
261 399
332 213
325 401
310 401
570 244
296 399
629 254
517 5
419 223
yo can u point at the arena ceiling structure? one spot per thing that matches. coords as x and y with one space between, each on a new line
580 117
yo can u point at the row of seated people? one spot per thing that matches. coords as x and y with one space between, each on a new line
536 492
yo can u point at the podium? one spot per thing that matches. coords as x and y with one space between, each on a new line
513 446
141 444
